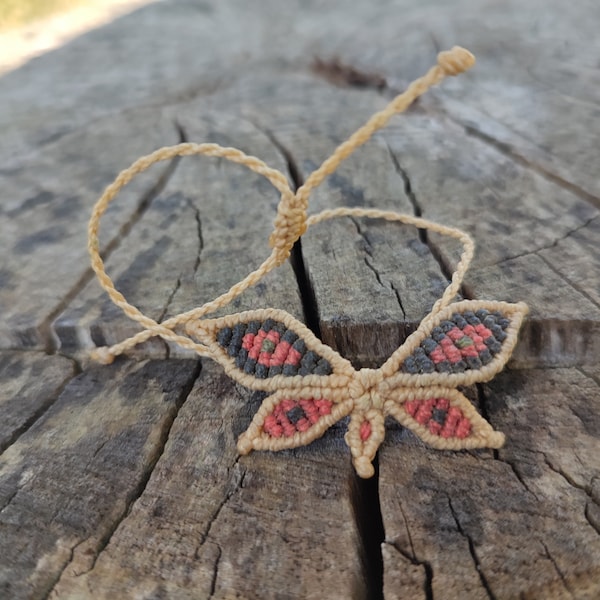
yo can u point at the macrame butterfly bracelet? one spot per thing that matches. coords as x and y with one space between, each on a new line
311 386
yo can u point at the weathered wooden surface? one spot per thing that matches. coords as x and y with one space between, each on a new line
217 522
31 382
518 522
49 194
124 481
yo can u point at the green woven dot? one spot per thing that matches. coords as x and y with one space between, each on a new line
267 346
464 342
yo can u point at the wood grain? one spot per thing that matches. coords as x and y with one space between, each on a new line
69 480
520 222
210 213
534 92
49 196
519 522
31 382
364 279
124 479
268 525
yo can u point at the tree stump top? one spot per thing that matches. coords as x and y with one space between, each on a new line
124 480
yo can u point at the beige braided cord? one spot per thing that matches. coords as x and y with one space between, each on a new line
290 223
165 330
451 62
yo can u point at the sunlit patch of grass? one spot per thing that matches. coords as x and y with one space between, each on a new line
15 13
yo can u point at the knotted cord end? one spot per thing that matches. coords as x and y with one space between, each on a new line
103 355
455 61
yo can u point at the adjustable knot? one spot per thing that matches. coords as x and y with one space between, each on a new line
290 224
455 61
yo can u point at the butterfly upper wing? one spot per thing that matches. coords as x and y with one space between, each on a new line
270 350
467 342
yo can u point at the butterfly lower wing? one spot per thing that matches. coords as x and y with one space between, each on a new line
288 419
467 342
269 350
443 418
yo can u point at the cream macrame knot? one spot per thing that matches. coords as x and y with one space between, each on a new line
103 355
290 225
364 467
365 382
455 61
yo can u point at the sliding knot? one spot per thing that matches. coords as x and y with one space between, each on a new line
290 224
455 61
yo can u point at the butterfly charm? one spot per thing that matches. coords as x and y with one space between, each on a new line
312 386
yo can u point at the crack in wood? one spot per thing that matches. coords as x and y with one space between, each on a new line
139 489
10 498
473 553
236 483
559 572
385 284
583 488
574 285
517 474
344 75
41 411
510 152
183 137
444 264
366 507
593 521
424 564
305 288
497 454
169 300
412 557
568 478
548 246
408 190
49 593
213 581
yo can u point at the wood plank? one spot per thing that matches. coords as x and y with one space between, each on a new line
384 25
72 477
43 100
460 180
31 381
235 214
235 209
517 523
459 522
209 523
48 199
534 92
